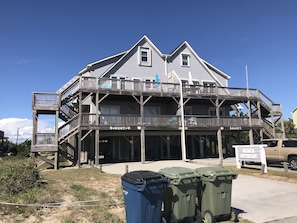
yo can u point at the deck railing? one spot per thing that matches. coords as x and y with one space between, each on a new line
124 86
68 127
67 111
265 100
45 139
45 100
70 89
172 121
137 86
276 109
239 121
121 85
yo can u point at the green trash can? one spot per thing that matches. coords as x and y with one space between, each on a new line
180 197
214 193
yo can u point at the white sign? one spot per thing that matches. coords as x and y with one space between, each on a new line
250 153
120 128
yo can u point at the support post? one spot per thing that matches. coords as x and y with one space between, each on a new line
260 118
132 148
142 144
250 123
97 147
79 130
142 131
168 146
97 136
219 135
56 165
181 107
79 148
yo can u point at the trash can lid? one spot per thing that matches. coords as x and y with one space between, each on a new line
215 171
178 172
141 177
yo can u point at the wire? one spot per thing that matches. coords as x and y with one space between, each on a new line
67 204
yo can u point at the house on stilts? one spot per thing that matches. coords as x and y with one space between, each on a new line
142 105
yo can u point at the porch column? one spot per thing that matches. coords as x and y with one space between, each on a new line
142 131
78 148
260 118
97 136
79 129
250 123
183 131
56 166
219 134
168 147
132 148
201 145
97 147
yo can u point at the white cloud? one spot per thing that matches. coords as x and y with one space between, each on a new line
17 129
24 61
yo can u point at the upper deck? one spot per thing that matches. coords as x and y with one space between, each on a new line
162 89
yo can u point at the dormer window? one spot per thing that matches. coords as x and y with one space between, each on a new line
145 56
185 60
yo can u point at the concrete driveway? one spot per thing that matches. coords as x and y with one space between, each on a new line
264 200
256 199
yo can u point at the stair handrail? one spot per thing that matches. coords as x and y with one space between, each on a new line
65 109
69 126
265 100
267 126
70 88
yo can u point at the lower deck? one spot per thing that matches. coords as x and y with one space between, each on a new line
116 146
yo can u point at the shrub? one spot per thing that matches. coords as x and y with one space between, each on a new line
17 176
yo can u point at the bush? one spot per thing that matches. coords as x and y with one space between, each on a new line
17 176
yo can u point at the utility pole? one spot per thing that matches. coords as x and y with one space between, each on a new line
17 137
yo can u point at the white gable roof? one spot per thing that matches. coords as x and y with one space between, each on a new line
205 65
119 55
132 48
210 69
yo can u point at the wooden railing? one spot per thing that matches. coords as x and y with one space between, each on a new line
44 142
69 127
123 86
66 111
173 121
70 88
45 139
265 101
45 100
140 87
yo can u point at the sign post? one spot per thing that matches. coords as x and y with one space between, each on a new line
250 153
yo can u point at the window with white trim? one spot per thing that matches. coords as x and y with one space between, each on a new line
145 56
148 83
185 60
136 84
114 82
209 87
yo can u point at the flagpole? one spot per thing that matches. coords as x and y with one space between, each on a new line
246 77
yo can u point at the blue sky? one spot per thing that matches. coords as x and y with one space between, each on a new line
43 44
